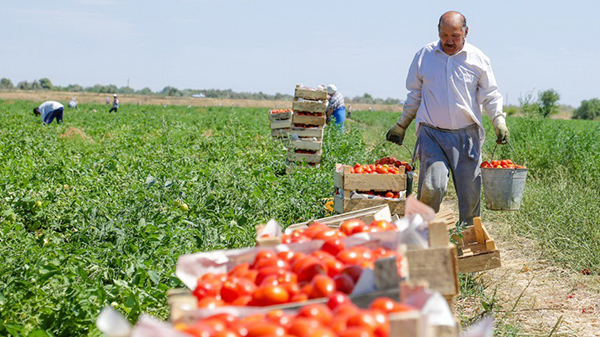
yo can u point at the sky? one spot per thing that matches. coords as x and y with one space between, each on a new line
272 45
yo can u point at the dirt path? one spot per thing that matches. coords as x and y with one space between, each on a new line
543 295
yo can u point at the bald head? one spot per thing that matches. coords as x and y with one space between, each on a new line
452 30
452 19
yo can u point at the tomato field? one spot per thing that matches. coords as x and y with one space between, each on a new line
97 210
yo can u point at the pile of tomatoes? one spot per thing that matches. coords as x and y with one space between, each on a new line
284 277
385 194
339 317
375 169
279 111
501 164
319 231
395 162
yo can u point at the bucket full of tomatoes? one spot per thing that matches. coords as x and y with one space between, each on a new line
503 184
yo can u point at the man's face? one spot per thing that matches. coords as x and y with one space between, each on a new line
452 37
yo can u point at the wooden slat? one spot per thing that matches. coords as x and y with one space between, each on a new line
280 116
281 124
375 182
310 106
306 157
309 120
379 212
436 266
479 262
478 230
438 234
306 145
342 205
318 94
307 132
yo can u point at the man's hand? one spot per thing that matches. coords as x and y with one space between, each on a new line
502 133
396 134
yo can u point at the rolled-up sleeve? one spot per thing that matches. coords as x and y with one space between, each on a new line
489 96
414 84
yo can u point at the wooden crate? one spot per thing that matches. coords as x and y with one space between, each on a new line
379 212
280 116
309 120
347 181
343 205
310 94
310 106
477 249
281 124
306 145
304 157
280 133
316 132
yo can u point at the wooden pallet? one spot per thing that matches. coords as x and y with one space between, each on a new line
310 106
306 145
281 124
316 132
309 120
316 94
304 157
477 249
280 116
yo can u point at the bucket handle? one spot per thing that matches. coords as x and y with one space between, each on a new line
509 145
403 145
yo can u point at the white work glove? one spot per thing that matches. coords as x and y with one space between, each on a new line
397 132
502 134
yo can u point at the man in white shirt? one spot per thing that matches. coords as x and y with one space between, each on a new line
50 110
449 82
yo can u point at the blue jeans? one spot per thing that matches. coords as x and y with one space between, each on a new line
339 116
58 114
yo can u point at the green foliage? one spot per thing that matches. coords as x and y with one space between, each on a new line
46 84
529 107
23 85
6 83
589 109
548 102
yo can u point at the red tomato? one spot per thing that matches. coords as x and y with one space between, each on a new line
328 234
349 256
270 295
347 226
338 298
359 170
389 195
303 327
333 246
226 333
280 318
344 283
356 332
309 271
261 328
318 311
353 271
381 223
210 303
363 319
240 269
333 267
206 289
323 286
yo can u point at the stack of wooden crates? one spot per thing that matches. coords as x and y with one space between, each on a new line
280 124
308 121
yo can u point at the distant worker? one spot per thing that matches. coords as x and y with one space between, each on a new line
448 83
115 105
73 103
336 107
50 110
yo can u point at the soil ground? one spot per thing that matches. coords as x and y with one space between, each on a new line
536 295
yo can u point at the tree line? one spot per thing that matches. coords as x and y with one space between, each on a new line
46 84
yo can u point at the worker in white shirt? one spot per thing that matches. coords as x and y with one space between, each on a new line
449 81
49 111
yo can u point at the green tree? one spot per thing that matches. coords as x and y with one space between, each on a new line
589 109
23 85
74 88
126 90
46 84
145 91
171 91
35 85
6 83
547 101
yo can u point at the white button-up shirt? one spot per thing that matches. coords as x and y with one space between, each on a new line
449 91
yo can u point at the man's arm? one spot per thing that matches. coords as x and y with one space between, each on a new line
491 100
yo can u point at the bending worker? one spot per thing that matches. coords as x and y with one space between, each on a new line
336 107
50 110
449 81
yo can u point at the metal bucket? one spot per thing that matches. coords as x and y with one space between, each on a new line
503 188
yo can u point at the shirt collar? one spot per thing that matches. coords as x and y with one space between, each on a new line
465 49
